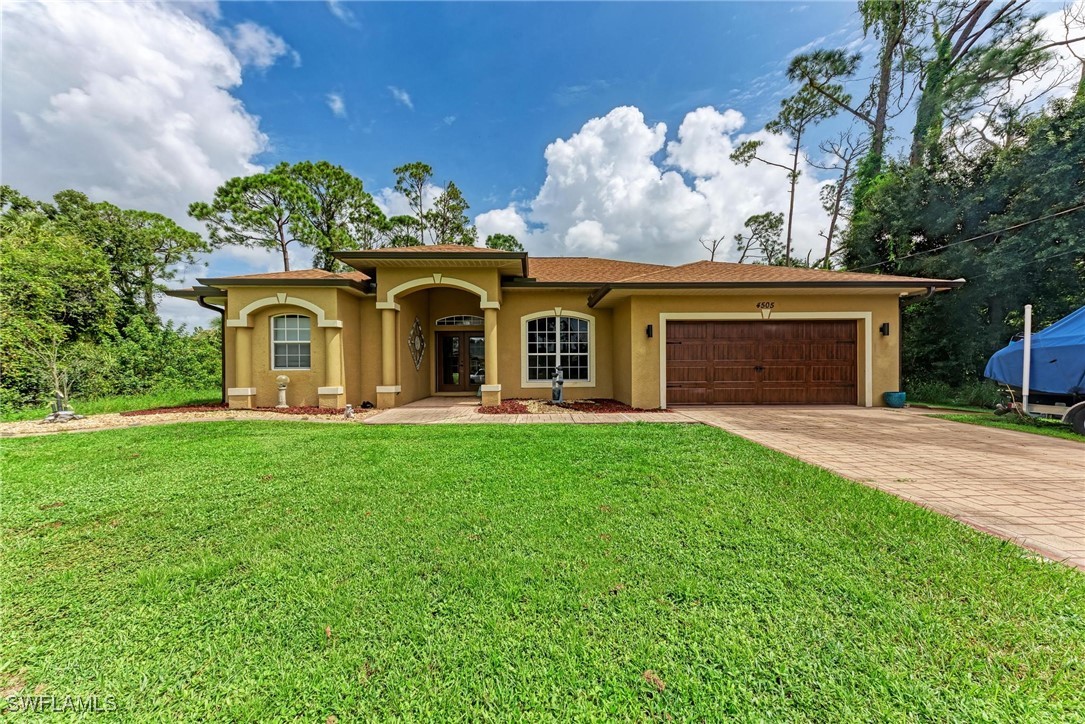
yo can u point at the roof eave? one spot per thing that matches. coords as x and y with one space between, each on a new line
196 292
378 254
349 283
935 284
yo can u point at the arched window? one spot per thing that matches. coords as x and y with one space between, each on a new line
460 320
551 340
290 342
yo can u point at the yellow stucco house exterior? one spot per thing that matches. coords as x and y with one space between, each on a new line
410 323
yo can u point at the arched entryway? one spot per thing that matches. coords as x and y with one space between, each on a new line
438 337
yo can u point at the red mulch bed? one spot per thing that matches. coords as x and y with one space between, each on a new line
517 407
213 408
507 407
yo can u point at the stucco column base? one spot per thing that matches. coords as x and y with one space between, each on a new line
491 395
332 401
240 401
386 400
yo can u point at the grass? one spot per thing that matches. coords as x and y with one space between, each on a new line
1049 428
274 571
122 403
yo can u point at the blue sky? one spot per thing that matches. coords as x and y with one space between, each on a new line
492 84
583 129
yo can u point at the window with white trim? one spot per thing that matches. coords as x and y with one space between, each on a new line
550 342
290 342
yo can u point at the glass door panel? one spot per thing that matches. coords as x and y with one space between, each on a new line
450 379
476 359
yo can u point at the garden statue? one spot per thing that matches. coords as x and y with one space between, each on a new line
282 381
62 411
557 382
348 413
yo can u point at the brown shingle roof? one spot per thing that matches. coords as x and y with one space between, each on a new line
301 274
439 248
722 272
584 269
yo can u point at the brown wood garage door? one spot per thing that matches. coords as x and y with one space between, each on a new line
761 363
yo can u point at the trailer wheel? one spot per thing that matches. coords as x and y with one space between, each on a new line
1077 421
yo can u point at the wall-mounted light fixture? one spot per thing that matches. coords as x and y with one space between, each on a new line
884 329
648 331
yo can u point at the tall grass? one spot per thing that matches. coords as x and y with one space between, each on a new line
122 403
983 393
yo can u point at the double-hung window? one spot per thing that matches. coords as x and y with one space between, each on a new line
290 343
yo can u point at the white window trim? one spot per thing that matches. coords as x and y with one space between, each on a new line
527 383
867 363
271 339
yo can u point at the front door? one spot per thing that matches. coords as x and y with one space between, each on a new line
460 357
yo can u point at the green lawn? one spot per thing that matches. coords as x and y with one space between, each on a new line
279 571
1049 428
123 403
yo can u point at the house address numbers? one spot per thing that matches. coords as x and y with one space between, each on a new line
766 305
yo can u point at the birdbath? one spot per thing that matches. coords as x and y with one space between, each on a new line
282 381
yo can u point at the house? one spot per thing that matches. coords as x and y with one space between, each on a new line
409 323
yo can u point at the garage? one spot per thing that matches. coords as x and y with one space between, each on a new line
762 363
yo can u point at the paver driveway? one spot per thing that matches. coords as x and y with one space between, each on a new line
1027 488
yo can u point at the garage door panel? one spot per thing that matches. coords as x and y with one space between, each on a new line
688 395
735 351
770 362
831 351
784 373
724 373
839 375
737 395
783 352
687 375
832 396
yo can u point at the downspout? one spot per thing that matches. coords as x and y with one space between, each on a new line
222 342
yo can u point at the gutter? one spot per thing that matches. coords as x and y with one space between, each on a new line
909 299
222 341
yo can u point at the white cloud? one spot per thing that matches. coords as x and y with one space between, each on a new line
401 96
337 105
501 221
128 102
339 9
257 46
607 192
393 203
1064 71
449 120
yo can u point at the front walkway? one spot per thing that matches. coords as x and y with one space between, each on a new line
1026 488
438 410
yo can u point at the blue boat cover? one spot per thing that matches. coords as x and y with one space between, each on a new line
1058 358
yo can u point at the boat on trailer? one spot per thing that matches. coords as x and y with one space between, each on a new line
1045 371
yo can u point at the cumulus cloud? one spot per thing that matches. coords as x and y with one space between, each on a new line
130 102
148 123
501 221
402 97
609 192
337 105
257 46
